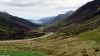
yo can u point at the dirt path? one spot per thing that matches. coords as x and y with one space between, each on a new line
29 39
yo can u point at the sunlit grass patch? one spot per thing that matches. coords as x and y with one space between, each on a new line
91 35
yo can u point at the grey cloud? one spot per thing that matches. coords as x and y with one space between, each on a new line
19 5
30 4
38 8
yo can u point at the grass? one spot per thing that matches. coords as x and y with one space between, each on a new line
55 45
19 53
91 35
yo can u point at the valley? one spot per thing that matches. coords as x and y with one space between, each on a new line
55 45
75 33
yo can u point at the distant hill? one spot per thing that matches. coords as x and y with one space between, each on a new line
54 23
47 20
55 19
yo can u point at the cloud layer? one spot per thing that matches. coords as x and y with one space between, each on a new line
39 8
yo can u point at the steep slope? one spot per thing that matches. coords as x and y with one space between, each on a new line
12 27
15 22
60 19
85 18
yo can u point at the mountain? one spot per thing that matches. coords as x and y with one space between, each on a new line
79 35
55 22
85 18
55 19
14 22
12 27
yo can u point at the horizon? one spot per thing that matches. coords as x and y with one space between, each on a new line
35 9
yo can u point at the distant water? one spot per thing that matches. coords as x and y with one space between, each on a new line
37 22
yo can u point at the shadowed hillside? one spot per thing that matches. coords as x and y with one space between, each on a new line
16 22
11 26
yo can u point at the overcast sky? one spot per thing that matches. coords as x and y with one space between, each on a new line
35 9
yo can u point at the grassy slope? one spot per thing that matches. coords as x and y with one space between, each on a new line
59 44
91 35
77 28
19 48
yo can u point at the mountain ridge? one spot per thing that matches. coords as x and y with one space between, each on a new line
16 22
85 18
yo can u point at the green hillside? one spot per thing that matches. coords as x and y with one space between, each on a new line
91 35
